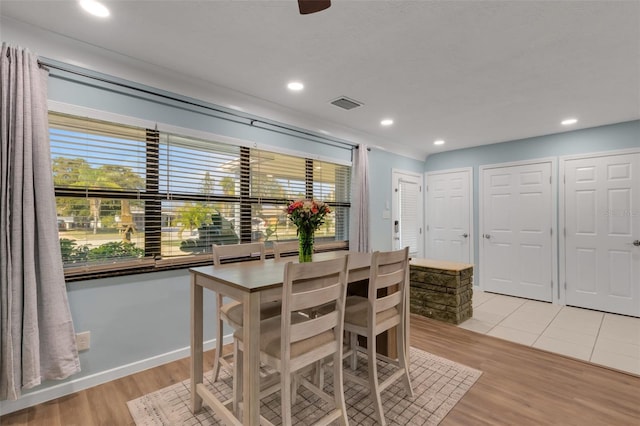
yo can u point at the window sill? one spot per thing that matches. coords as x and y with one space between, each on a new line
145 266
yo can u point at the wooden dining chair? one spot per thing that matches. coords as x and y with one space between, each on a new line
286 248
231 312
383 309
293 341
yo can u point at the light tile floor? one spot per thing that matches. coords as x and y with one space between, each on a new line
602 338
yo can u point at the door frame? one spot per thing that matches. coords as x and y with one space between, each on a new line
562 290
554 216
472 234
394 206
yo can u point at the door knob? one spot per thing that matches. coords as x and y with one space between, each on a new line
636 243
487 236
465 235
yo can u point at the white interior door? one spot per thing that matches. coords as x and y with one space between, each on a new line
602 226
449 220
517 226
407 216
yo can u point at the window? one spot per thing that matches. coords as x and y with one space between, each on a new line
138 198
99 174
197 189
277 178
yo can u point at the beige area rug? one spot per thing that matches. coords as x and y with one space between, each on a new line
438 385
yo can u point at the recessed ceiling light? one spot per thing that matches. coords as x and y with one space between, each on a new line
95 8
438 142
296 86
569 121
387 122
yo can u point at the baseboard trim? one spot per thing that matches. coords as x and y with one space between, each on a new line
67 388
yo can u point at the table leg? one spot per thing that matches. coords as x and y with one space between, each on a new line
196 344
407 313
251 359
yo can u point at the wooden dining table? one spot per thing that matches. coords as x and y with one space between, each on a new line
251 283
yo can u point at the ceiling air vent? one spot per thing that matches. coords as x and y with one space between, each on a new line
346 103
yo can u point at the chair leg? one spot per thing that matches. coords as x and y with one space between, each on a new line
318 375
338 388
294 388
403 358
353 343
285 397
374 386
219 332
237 378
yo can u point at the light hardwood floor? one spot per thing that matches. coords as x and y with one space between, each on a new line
519 385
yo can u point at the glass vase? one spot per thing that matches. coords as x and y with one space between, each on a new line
305 240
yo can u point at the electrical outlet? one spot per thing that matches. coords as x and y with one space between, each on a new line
83 340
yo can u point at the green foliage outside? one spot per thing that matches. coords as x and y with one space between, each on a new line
73 253
193 215
78 173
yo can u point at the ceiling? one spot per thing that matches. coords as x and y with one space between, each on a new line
468 72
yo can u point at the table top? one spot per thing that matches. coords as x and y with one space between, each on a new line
262 275
440 264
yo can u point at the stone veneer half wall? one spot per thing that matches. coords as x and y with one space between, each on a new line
441 290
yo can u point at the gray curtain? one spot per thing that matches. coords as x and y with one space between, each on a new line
359 217
38 340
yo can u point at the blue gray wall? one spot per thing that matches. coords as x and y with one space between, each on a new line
605 138
134 317
381 165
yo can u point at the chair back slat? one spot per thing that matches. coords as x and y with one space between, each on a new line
314 297
314 326
388 302
389 279
237 251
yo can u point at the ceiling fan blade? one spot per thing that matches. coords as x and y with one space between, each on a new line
312 6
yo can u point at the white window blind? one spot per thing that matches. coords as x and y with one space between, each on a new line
100 176
127 194
409 198
277 179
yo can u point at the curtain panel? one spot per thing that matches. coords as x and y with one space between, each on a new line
37 334
359 220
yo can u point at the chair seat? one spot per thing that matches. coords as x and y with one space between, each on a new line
356 311
270 332
233 311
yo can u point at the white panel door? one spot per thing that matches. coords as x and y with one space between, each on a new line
516 243
407 217
602 222
449 226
